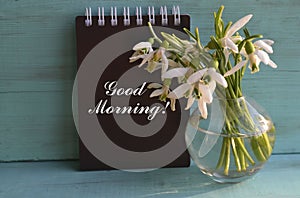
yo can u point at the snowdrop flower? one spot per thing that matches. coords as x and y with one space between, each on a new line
141 50
229 41
143 45
156 59
206 87
255 54
259 55
204 81
162 91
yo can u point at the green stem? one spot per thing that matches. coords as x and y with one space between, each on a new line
242 159
267 143
257 150
227 156
244 150
235 154
222 155
153 33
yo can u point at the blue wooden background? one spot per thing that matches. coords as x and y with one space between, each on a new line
37 68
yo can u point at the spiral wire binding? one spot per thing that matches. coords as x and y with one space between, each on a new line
88 14
126 14
176 13
101 20
151 14
164 15
139 18
114 19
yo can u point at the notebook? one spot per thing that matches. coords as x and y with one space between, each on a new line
119 125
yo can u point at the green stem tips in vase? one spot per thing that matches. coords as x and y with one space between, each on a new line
215 70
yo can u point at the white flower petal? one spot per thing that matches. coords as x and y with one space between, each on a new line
147 58
154 86
142 45
217 77
177 72
272 64
179 91
268 41
164 68
191 91
263 56
156 92
205 93
235 39
226 53
196 76
238 25
190 102
253 58
134 58
202 108
235 68
212 86
264 46
152 66
258 61
243 52
231 45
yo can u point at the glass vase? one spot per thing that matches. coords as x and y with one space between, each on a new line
235 140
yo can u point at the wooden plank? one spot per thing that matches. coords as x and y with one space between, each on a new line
61 179
37 64
39 55
37 126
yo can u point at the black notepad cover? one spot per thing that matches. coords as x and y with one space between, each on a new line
87 39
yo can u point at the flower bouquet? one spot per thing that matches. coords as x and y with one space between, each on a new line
214 72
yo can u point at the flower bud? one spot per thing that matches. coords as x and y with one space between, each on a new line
151 40
215 63
165 44
249 47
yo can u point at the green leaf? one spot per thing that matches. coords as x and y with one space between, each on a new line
210 45
247 33
190 34
219 23
227 27
241 45
172 41
255 36
198 38
215 43
250 38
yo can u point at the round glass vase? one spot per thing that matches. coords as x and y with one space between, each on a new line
233 142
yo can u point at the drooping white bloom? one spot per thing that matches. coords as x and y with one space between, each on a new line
229 41
141 50
237 67
262 48
262 55
202 108
177 72
217 77
143 45
156 59
162 90
164 61
197 81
